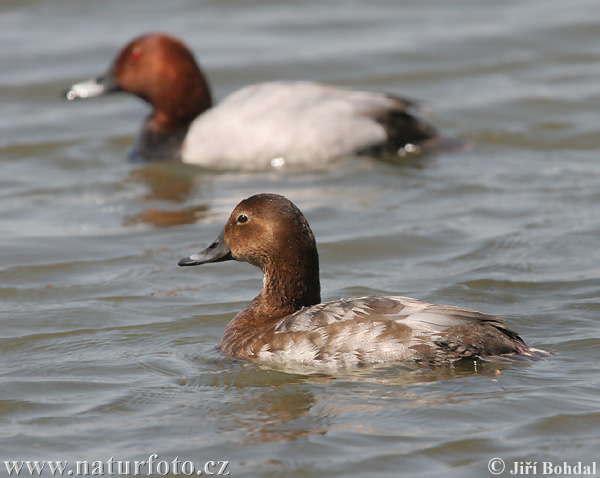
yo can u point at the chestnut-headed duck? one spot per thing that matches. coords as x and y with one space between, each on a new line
262 125
288 324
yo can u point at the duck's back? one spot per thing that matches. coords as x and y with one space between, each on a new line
388 329
297 121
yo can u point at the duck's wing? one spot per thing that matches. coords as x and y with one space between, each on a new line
298 122
383 329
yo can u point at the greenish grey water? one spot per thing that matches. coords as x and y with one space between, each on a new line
107 347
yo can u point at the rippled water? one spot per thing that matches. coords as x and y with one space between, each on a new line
107 347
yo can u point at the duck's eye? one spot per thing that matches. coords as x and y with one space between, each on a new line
242 218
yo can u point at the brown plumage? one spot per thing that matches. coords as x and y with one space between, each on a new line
288 323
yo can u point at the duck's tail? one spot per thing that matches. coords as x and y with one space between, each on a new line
531 355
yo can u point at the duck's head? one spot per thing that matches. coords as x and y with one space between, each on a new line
266 230
161 70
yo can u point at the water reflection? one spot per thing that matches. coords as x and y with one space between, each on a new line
168 218
169 182
274 406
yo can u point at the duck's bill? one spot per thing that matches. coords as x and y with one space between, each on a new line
91 88
216 252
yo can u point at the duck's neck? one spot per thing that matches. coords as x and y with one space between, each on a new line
288 289
285 291
156 145
165 128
